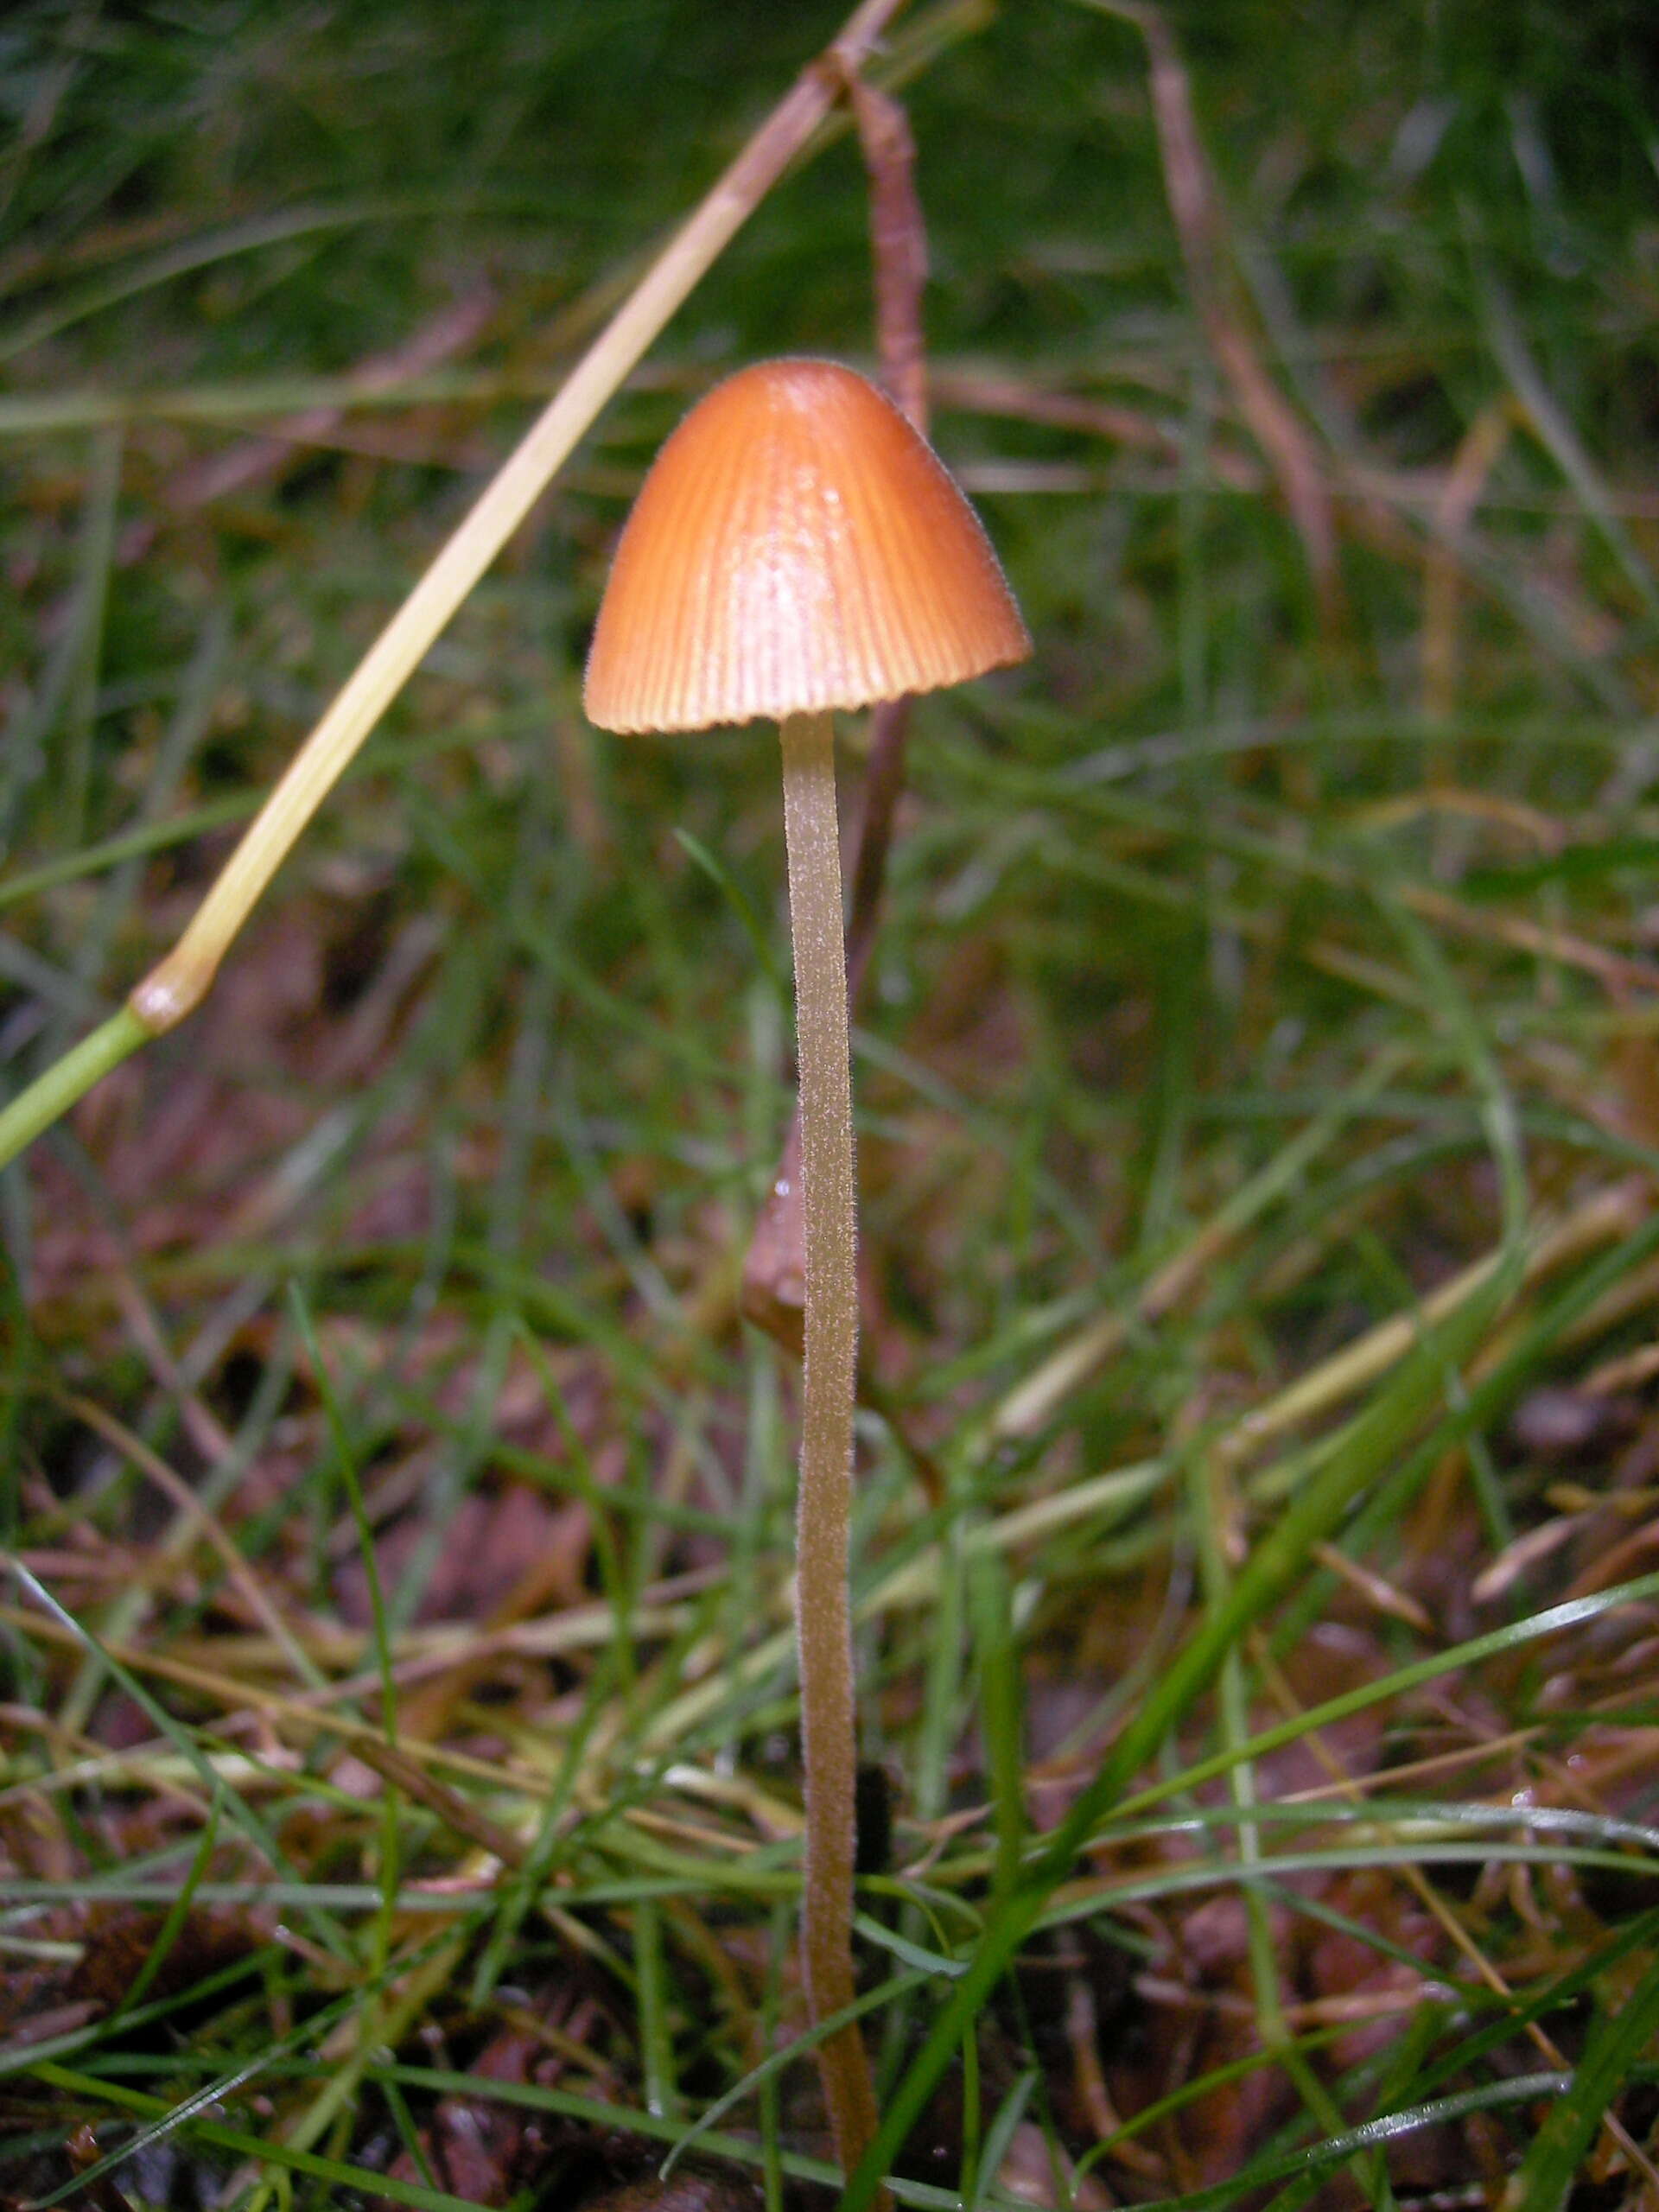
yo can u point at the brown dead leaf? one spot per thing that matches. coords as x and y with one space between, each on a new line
681 2192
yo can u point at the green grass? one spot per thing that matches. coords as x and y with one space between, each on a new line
1259 1140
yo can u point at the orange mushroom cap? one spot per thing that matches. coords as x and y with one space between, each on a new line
796 546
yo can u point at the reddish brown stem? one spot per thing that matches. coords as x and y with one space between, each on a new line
774 1269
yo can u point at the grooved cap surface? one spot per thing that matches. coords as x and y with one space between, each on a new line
795 546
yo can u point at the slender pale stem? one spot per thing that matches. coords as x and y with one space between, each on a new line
181 980
825 1501
177 984
69 1079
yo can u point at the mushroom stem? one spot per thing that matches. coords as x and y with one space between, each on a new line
824 1497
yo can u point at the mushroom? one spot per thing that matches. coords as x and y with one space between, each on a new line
796 547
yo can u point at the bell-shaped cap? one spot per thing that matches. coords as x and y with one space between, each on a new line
796 546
